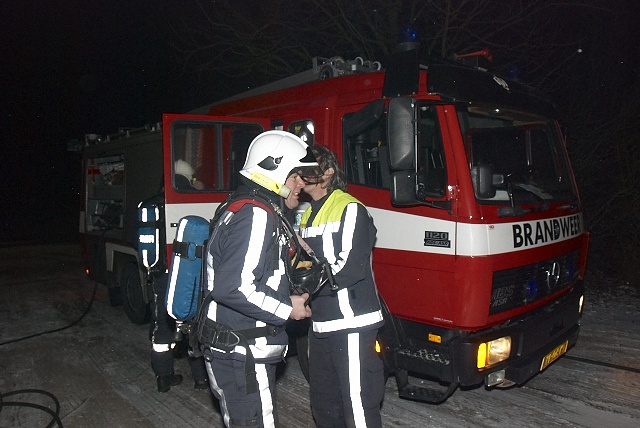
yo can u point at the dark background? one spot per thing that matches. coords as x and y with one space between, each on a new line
69 68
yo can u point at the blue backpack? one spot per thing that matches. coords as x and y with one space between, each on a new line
185 294
184 288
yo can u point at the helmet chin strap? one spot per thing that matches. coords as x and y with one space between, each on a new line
284 191
268 183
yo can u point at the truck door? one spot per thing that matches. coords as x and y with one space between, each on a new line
202 157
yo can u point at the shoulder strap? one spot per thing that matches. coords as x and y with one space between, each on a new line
234 206
188 250
235 201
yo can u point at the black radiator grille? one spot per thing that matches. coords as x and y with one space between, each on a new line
526 284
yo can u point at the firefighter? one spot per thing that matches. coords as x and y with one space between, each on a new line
162 329
163 338
247 258
184 179
345 374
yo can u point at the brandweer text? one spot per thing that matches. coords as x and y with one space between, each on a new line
541 232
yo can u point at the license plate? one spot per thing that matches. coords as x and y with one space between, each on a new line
554 355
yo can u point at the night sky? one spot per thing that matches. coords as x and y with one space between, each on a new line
70 68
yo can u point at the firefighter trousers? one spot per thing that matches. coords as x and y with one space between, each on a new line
163 336
346 379
228 382
163 329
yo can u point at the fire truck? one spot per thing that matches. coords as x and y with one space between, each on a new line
481 246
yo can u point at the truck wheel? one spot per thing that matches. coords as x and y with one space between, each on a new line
302 347
115 297
113 289
132 297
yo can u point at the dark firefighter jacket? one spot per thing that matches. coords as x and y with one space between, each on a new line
249 283
339 228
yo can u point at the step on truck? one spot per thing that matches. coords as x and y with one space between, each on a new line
481 247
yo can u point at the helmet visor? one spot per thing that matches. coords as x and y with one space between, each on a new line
309 157
310 174
312 171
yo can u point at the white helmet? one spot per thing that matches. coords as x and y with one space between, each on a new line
183 168
273 156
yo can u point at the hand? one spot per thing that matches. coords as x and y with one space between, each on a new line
300 309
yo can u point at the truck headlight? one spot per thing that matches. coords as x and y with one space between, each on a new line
493 352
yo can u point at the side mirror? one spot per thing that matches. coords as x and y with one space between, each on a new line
401 134
482 179
403 189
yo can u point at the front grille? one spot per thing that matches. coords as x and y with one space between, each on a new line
523 285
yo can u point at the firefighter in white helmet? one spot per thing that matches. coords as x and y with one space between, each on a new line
184 176
247 259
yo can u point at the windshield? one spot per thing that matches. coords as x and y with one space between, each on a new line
523 152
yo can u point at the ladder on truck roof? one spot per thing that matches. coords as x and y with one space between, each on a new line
323 69
93 139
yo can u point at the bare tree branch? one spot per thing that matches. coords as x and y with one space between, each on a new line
572 49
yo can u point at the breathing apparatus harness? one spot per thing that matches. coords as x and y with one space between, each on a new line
211 334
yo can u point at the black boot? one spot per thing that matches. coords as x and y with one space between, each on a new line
201 384
166 382
199 373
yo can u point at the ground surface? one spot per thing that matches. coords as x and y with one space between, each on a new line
99 371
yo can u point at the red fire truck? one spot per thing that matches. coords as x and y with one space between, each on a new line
481 245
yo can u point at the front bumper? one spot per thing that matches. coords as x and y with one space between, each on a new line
533 337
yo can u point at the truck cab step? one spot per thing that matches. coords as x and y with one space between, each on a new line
428 391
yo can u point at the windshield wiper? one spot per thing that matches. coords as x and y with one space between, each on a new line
514 211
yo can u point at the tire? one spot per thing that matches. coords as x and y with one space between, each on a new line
387 339
135 307
113 290
386 370
115 296
302 347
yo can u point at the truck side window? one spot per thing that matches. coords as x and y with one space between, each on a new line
432 168
207 156
105 193
365 151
